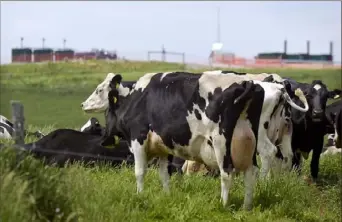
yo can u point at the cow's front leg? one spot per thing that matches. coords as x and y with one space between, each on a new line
163 173
140 163
316 153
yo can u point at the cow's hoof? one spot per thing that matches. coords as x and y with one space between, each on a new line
247 207
309 180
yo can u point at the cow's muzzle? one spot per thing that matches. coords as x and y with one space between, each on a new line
317 115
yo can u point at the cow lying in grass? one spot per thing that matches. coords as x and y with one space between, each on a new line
7 130
206 118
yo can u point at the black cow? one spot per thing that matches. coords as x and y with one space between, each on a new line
309 128
62 145
333 113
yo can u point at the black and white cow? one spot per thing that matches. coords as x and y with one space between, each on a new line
98 102
309 128
93 126
7 130
212 119
277 124
334 122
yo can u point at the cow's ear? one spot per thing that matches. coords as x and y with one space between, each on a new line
113 99
335 94
115 82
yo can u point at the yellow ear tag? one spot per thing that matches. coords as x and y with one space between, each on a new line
337 96
115 99
117 140
117 85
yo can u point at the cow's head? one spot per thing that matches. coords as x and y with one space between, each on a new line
317 95
92 126
97 101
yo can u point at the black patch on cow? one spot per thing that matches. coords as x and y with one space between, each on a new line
198 115
211 138
234 72
266 125
254 113
210 143
230 113
8 128
2 130
166 103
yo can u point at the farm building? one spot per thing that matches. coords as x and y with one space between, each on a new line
21 55
64 54
43 55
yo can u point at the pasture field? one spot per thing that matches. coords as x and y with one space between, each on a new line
52 94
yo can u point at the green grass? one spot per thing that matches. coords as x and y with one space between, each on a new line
52 93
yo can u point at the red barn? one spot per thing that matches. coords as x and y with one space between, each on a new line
21 55
61 55
43 55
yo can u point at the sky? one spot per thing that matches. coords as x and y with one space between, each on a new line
133 28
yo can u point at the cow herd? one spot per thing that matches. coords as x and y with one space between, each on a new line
218 121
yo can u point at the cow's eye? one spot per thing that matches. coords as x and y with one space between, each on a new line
100 90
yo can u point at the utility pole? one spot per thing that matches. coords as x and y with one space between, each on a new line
218 25
21 42
64 42
43 40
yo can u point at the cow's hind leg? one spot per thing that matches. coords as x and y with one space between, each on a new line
250 177
226 177
226 184
140 163
163 173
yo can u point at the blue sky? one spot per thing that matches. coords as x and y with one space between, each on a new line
133 28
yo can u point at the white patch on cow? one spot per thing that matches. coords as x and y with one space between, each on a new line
317 87
4 134
86 125
332 150
208 82
164 74
143 81
267 150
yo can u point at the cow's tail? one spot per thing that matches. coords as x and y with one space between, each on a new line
248 88
300 94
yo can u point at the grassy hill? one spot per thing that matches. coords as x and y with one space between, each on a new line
52 94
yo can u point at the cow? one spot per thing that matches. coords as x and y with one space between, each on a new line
93 126
309 128
7 129
278 123
64 145
334 122
210 118
98 102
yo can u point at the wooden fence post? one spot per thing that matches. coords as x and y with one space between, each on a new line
18 122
